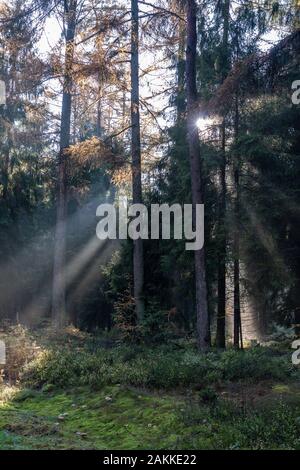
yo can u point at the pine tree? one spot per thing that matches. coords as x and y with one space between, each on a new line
196 168
138 257
59 282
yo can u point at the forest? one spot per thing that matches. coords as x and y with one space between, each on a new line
149 225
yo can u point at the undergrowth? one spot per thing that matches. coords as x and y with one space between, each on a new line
79 391
164 367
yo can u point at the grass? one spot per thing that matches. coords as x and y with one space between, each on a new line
118 418
79 394
112 418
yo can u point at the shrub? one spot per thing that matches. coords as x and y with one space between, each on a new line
225 425
21 349
159 367
208 395
255 364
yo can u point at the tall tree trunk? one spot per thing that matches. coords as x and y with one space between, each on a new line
59 282
100 85
203 328
237 333
9 90
138 255
221 315
181 105
222 249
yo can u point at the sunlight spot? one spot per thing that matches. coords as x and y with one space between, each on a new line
204 123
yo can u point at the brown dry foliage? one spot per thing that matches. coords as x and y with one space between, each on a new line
20 350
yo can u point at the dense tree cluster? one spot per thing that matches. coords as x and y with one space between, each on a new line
182 101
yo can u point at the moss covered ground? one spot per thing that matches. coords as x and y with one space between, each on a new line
119 418
71 392
112 418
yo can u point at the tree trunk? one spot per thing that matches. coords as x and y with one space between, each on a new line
138 255
221 316
59 282
181 105
237 333
203 328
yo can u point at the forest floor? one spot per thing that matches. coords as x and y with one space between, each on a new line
252 402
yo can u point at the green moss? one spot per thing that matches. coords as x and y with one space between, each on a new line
118 418
112 418
119 399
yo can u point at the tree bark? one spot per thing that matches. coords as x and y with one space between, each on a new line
181 105
237 333
203 327
221 315
59 282
138 255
